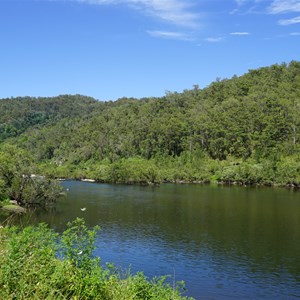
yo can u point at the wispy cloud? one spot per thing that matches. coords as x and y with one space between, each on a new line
248 6
295 33
284 6
292 21
214 39
178 12
239 33
240 2
170 35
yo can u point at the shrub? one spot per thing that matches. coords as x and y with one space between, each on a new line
37 263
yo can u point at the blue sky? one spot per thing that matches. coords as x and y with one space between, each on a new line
108 49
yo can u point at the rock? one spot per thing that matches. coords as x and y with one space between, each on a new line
14 208
88 180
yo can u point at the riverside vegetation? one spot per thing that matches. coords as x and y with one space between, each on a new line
243 130
30 268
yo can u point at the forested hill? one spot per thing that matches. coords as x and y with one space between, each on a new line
245 121
18 114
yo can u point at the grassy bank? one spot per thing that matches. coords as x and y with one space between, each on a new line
37 263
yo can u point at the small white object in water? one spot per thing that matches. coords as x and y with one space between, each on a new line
79 253
83 209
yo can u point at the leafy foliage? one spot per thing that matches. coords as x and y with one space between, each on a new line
247 119
30 269
18 114
18 181
77 244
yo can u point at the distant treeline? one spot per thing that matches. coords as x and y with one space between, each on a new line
245 129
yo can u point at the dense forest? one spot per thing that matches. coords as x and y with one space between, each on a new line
242 130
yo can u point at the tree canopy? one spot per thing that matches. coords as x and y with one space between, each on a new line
251 118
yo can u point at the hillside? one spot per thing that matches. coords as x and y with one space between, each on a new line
244 129
19 114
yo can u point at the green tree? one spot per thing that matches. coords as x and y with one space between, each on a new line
20 183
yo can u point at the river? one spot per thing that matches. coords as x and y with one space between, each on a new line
224 242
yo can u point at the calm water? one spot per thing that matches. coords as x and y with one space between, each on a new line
224 242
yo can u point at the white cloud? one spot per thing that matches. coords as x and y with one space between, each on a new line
295 33
284 6
292 21
178 12
239 33
214 39
170 35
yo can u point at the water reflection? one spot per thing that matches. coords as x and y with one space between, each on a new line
225 242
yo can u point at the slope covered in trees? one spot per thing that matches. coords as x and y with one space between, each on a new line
19 114
244 129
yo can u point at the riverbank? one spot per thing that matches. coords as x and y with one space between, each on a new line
283 173
32 270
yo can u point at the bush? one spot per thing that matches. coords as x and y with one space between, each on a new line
18 182
37 263
2 189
